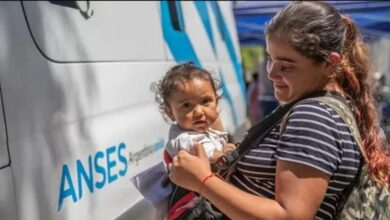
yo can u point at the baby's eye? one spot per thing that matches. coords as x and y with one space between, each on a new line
186 105
206 101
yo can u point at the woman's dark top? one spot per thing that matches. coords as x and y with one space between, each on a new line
315 136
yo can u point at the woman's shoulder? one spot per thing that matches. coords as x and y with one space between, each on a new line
313 108
316 115
315 134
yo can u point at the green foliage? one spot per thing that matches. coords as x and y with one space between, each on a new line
252 57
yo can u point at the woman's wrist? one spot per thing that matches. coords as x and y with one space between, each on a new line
205 180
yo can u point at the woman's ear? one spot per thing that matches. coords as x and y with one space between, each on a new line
334 60
168 111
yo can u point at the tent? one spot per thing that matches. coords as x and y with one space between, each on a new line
372 17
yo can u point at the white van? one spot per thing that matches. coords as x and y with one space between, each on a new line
77 116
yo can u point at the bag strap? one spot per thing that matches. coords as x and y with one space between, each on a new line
258 132
272 119
340 105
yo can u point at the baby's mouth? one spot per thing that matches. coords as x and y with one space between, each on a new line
200 122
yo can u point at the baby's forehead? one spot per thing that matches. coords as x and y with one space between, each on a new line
193 88
183 83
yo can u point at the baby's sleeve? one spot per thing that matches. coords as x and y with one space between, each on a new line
185 141
181 142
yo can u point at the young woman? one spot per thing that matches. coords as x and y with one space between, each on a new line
301 173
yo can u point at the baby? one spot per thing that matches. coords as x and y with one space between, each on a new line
188 96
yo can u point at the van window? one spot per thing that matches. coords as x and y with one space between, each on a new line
176 15
86 31
4 155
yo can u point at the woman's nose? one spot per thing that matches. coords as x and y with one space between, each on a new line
271 70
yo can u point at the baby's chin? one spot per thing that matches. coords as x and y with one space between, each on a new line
202 130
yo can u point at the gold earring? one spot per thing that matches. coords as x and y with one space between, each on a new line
332 76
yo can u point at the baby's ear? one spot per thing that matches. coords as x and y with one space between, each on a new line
168 111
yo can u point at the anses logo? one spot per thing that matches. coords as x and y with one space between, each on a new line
102 163
100 169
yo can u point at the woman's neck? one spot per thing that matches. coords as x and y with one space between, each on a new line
333 86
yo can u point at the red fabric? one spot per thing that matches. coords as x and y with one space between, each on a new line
175 211
167 157
178 208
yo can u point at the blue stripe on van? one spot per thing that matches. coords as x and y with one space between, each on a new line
229 99
178 42
182 49
205 18
204 15
229 46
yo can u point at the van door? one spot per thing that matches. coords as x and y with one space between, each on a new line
79 105
7 196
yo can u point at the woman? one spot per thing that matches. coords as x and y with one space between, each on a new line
301 172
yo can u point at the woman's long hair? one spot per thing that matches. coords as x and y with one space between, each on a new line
315 29
357 81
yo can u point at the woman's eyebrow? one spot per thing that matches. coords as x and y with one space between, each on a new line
282 58
286 59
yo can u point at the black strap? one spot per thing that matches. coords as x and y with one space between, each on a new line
271 120
258 132
263 128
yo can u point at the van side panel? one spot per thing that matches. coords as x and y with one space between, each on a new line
77 132
64 35
81 118
7 195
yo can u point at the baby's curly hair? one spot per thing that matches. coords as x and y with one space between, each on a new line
175 76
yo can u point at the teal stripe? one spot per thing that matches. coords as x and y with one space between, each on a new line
229 99
205 18
229 45
182 49
178 42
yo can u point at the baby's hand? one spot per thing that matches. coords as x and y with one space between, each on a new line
225 161
228 147
216 155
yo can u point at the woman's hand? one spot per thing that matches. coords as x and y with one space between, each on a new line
188 170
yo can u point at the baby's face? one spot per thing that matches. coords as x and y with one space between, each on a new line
193 105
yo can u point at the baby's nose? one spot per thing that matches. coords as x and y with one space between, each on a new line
198 110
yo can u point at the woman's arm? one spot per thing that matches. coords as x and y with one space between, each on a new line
218 125
299 189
